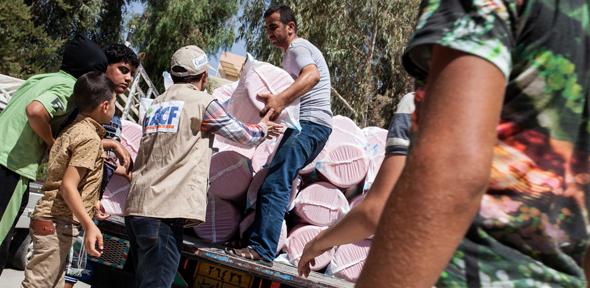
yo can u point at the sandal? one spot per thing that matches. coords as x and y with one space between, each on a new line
248 253
234 244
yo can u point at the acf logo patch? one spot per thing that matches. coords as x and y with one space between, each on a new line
163 117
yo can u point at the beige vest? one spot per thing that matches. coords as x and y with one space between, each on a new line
170 178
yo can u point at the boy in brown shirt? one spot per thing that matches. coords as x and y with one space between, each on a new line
71 191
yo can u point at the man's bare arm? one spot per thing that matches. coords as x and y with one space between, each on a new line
445 177
40 121
307 79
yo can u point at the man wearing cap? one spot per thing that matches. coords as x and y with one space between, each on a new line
169 186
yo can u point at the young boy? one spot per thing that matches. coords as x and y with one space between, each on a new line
71 191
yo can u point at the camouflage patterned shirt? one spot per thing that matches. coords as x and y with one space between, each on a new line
532 227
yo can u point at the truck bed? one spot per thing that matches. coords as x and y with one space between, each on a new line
218 263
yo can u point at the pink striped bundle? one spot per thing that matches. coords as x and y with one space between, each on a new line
260 77
376 143
131 136
349 260
265 152
223 144
344 165
230 175
296 242
221 223
223 93
321 204
115 195
255 185
344 130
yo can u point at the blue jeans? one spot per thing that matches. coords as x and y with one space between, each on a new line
296 150
155 249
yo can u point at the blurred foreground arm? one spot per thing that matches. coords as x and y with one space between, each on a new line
440 189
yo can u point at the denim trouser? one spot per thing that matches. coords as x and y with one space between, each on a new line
155 249
295 151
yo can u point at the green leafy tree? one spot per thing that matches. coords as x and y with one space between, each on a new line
110 22
362 42
61 19
169 25
24 48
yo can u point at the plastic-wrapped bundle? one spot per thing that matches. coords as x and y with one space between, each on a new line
221 222
131 137
296 242
265 152
115 195
223 93
260 77
344 165
349 260
222 144
257 182
230 175
249 220
376 142
321 204
344 131
255 185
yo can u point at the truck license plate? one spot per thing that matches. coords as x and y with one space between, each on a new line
217 276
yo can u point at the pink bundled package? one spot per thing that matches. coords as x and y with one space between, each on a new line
349 260
230 175
296 242
321 204
222 221
115 194
260 77
344 131
376 142
345 165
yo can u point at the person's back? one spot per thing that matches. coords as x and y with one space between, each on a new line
174 157
171 173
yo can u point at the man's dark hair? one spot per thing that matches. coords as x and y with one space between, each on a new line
284 11
91 89
118 52
185 79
